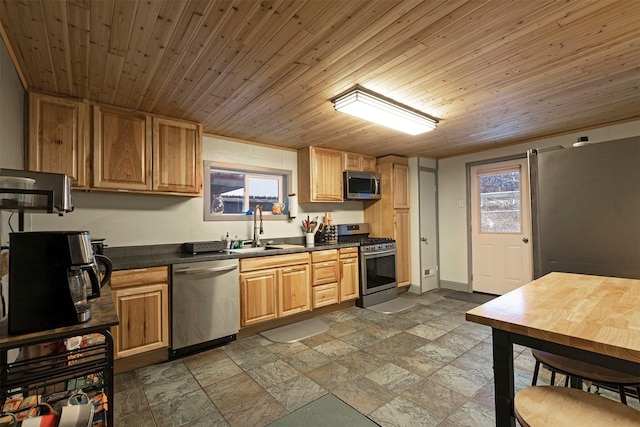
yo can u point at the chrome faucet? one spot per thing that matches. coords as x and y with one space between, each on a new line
257 231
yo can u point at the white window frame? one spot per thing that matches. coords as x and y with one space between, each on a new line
284 182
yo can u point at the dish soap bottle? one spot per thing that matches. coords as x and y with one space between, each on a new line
227 241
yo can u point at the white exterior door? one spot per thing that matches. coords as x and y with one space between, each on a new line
428 232
502 257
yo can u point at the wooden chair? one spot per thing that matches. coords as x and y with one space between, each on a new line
544 406
584 371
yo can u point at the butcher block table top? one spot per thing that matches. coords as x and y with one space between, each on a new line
594 313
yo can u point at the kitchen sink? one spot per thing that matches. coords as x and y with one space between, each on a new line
250 250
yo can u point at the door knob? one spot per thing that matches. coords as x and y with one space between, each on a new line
424 239
524 239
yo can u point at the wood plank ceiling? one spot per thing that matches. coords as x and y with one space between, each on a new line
495 72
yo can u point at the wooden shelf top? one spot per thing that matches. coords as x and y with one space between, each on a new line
593 313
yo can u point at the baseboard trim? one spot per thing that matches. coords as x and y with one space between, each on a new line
454 286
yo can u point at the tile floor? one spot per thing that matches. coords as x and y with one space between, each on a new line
425 366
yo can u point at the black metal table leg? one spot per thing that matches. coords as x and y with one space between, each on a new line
503 377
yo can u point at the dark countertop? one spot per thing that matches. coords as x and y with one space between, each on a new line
128 257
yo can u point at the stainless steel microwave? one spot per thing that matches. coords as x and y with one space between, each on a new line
361 186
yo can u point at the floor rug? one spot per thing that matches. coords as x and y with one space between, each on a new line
476 297
327 411
395 305
296 331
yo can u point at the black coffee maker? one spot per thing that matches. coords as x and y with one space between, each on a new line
47 280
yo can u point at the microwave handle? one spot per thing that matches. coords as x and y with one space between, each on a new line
376 183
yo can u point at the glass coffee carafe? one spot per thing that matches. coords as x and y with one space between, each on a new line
78 289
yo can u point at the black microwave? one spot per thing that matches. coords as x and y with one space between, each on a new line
361 186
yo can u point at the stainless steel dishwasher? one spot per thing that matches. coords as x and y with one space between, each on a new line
205 305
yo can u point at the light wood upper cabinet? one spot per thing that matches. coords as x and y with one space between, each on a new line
58 137
177 156
358 162
400 186
121 149
319 175
139 152
141 299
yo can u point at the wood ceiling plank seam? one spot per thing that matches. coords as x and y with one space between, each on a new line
124 12
585 8
205 72
162 31
188 24
352 19
100 23
323 64
216 18
122 26
477 86
142 29
531 26
9 36
229 41
54 16
35 32
79 48
245 61
293 108
544 40
274 64
439 63
221 66
394 38
114 65
564 68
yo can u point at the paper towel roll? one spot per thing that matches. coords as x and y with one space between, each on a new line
293 206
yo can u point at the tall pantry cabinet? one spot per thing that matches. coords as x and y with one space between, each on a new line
394 204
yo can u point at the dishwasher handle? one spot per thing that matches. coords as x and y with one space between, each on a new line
207 270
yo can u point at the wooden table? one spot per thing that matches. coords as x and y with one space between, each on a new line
591 318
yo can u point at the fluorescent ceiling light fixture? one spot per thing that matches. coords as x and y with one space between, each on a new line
373 107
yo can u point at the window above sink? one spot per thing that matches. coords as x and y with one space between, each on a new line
230 191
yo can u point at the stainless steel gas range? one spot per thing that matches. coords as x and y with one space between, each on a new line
378 281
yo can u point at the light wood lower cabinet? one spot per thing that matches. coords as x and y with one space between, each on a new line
349 274
258 291
141 299
325 277
273 286
293 290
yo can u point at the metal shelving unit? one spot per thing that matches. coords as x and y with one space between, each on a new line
56 376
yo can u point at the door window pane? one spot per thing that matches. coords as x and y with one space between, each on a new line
500 202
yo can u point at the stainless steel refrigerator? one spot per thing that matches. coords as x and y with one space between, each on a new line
585 204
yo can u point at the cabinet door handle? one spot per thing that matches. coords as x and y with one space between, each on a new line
207 270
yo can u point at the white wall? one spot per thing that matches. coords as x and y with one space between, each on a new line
11 111
11 135
130 220
452 188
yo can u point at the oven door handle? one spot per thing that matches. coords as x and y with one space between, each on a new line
379 253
